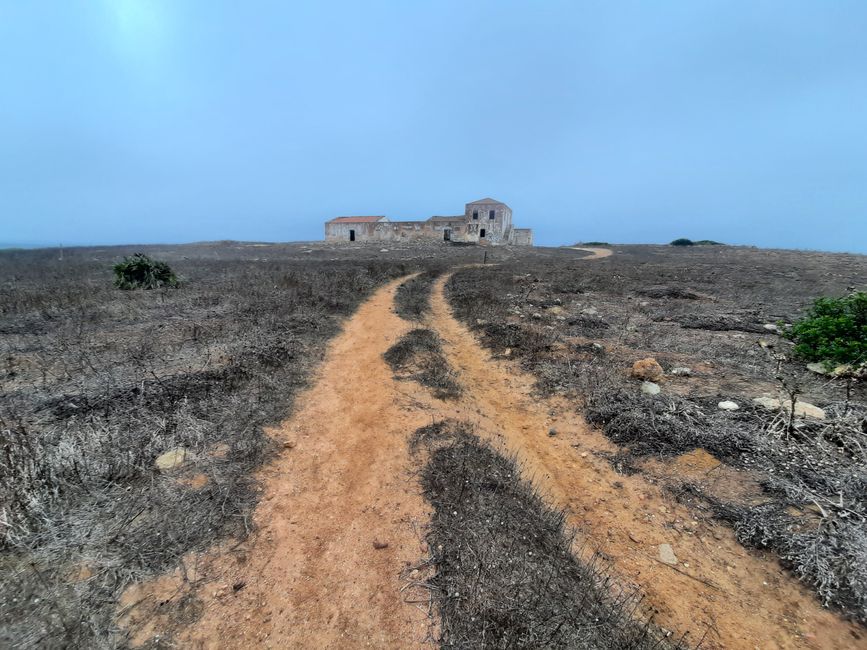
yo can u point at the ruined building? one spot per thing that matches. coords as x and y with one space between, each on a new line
483 221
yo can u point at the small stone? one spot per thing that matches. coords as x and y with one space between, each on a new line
818 367
507 352
537 315
649 388
289 444
647 369
680 371
173 459
379 545
803 409
766 344
383 250
552 432
590 311
666 554
771 327
728 405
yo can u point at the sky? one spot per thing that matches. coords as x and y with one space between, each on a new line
161 121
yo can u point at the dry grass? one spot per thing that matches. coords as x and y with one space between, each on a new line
97 382
578 326
418 356
506 574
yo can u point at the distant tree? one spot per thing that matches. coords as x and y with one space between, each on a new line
708 242
834 330
141 272
682 242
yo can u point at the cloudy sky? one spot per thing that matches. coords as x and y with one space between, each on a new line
161 121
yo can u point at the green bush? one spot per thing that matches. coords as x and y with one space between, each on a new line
141 272
834 330
682 242
708 242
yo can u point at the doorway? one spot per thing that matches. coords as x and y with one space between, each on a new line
351 235
482 233
447 235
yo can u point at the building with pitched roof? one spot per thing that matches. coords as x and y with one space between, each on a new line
486 221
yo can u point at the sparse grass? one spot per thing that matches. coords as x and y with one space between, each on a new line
96 383
418 356
412 300
506 575
705 309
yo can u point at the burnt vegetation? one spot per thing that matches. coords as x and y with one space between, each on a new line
506 574
418 356
98 383
711 316
412 299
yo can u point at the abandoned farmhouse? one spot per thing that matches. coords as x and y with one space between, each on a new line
485 221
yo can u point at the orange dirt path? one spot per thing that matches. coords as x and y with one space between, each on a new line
753 603
311 575
597 253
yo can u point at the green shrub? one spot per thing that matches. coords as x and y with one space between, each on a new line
682 242
708 242
141 272
834 330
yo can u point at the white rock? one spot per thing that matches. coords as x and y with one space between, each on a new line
728 405
173 459
681 372
771 327
666 554
803 409
590 311
818 367
649 388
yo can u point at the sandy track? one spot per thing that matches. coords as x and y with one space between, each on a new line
311 575
596 253
312 578
753 603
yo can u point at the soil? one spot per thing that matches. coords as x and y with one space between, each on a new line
317 571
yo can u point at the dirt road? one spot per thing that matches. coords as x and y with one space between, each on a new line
312 575
595 253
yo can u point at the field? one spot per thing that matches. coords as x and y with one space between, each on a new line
269 454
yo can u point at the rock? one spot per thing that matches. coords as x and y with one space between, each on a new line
803 409
666 554
173 459
590 311
681 372
507 352
843 371
647 369
766 344
597 346
649 388
819 367
728 405
379 545
537 315
552 432
383 250
772 328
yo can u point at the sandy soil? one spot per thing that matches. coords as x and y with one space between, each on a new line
595 253
740 600
311 576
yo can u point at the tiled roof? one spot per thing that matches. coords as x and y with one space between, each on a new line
487 200
356 219
457 217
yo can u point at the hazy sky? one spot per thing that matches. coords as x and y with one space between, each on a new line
168 121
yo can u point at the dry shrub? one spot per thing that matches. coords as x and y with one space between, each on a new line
418 356
506 575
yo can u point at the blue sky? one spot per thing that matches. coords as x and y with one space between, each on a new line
162 121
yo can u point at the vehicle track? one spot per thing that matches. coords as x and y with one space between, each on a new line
310 575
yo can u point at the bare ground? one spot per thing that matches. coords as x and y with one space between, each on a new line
316 572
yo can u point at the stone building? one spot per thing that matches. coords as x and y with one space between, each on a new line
485 221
